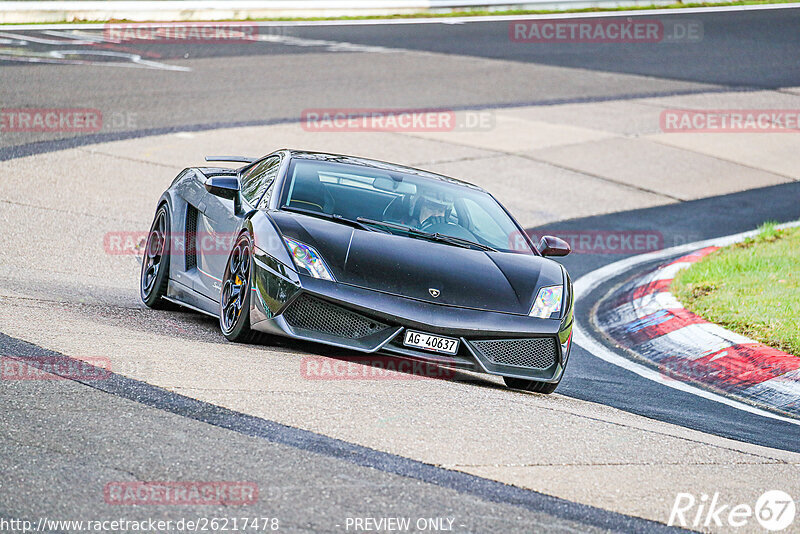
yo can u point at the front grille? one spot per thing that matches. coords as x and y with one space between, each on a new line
533 353
311 313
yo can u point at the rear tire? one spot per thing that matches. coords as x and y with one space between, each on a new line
530 385
154 277
236 292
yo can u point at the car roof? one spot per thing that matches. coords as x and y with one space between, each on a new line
377 164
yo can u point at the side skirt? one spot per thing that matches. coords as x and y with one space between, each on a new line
189 298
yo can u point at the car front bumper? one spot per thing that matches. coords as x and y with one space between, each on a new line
368 321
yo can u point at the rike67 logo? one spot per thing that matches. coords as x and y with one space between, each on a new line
774 510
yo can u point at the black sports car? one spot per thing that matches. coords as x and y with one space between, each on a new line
365 255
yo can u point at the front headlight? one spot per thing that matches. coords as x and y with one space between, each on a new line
308 259
547 302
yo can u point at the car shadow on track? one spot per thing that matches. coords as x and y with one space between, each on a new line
318 362
322 362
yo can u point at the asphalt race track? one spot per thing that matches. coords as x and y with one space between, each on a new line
574 145
236 78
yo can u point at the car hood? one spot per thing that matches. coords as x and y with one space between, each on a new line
417 268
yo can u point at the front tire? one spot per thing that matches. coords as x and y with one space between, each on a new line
155 262
234 301
523 384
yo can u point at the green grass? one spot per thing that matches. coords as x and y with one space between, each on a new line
479 12
752 288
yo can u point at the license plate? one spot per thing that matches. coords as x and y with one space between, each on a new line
419 340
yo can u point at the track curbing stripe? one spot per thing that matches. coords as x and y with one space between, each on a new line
589 282
686 347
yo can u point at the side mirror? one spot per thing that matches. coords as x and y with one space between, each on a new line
553 246
223 186
227 187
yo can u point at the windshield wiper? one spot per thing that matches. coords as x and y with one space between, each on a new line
330 217
462 241
394 226
458 241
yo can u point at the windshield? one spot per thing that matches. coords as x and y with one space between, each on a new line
418 203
